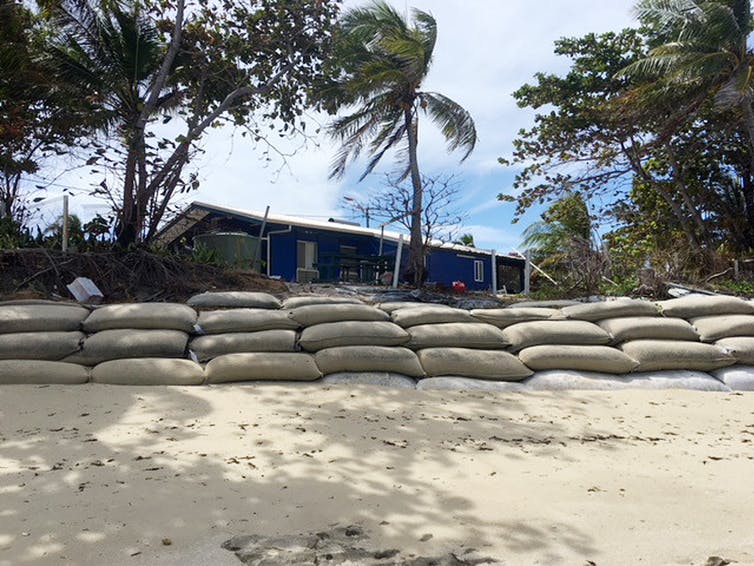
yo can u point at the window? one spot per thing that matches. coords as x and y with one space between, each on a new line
478 270
306 254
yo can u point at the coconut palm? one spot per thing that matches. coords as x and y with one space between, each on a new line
381 61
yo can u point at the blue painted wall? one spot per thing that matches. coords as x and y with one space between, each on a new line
446 266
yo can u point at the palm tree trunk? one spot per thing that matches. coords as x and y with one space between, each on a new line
416 244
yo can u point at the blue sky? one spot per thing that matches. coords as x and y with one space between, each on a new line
486 49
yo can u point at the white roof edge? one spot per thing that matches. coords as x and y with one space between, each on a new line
339 227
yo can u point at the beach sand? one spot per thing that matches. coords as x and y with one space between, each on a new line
99 474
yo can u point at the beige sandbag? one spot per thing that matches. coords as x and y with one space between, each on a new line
740 347
214 345
648 327
675 354
458 335
157 316
310 315
692 306
130 343
352 333
430 314
148 371
39 345
535 333
41 372
602 359
502 318
262 366
711 328
369 359
465 362
244 320
233 299
304 300
610 309
41 318
393 306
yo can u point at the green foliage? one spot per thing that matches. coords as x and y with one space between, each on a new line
205 255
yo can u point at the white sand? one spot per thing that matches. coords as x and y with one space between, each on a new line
101 474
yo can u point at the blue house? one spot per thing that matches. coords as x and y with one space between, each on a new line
302 250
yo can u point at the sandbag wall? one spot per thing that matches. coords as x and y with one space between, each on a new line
243 336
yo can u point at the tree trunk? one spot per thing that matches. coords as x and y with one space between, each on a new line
747 185
416 244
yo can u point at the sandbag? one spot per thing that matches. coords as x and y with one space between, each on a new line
304 300
244 320
393 306
655 355
310 315
553 304
464 362
130 343
558 380
503 318
692 306
740 347
148 316
214 345
456 334
648 327
737 378
41 318
262 366
711 328
233 299
41 372
468 384
379 379
39 345
352 333
678 379
369 359
610 309
603 359
148 371
535 333
430 314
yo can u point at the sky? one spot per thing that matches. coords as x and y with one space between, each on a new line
485 50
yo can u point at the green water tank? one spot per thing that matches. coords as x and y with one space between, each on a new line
232 248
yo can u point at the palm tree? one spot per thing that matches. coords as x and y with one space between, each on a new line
381 61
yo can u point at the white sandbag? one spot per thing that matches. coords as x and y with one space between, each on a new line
41 372
310 315
740 347
393 306
481 364
648 327
41 318
456 335
352 333
678 379
147 316
601 359
148 371
737 378
610 309
244 320
563 380
503 318
233 299
654 355
468 384
390 380
262 366
39 345
130 343
430 314
305 300
214 345
391 359
711 328
535 333
692 306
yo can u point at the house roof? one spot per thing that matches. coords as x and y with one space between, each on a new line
333 226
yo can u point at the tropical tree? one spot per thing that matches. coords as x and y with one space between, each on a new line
381 60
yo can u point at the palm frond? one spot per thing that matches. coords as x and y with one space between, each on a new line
455 122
